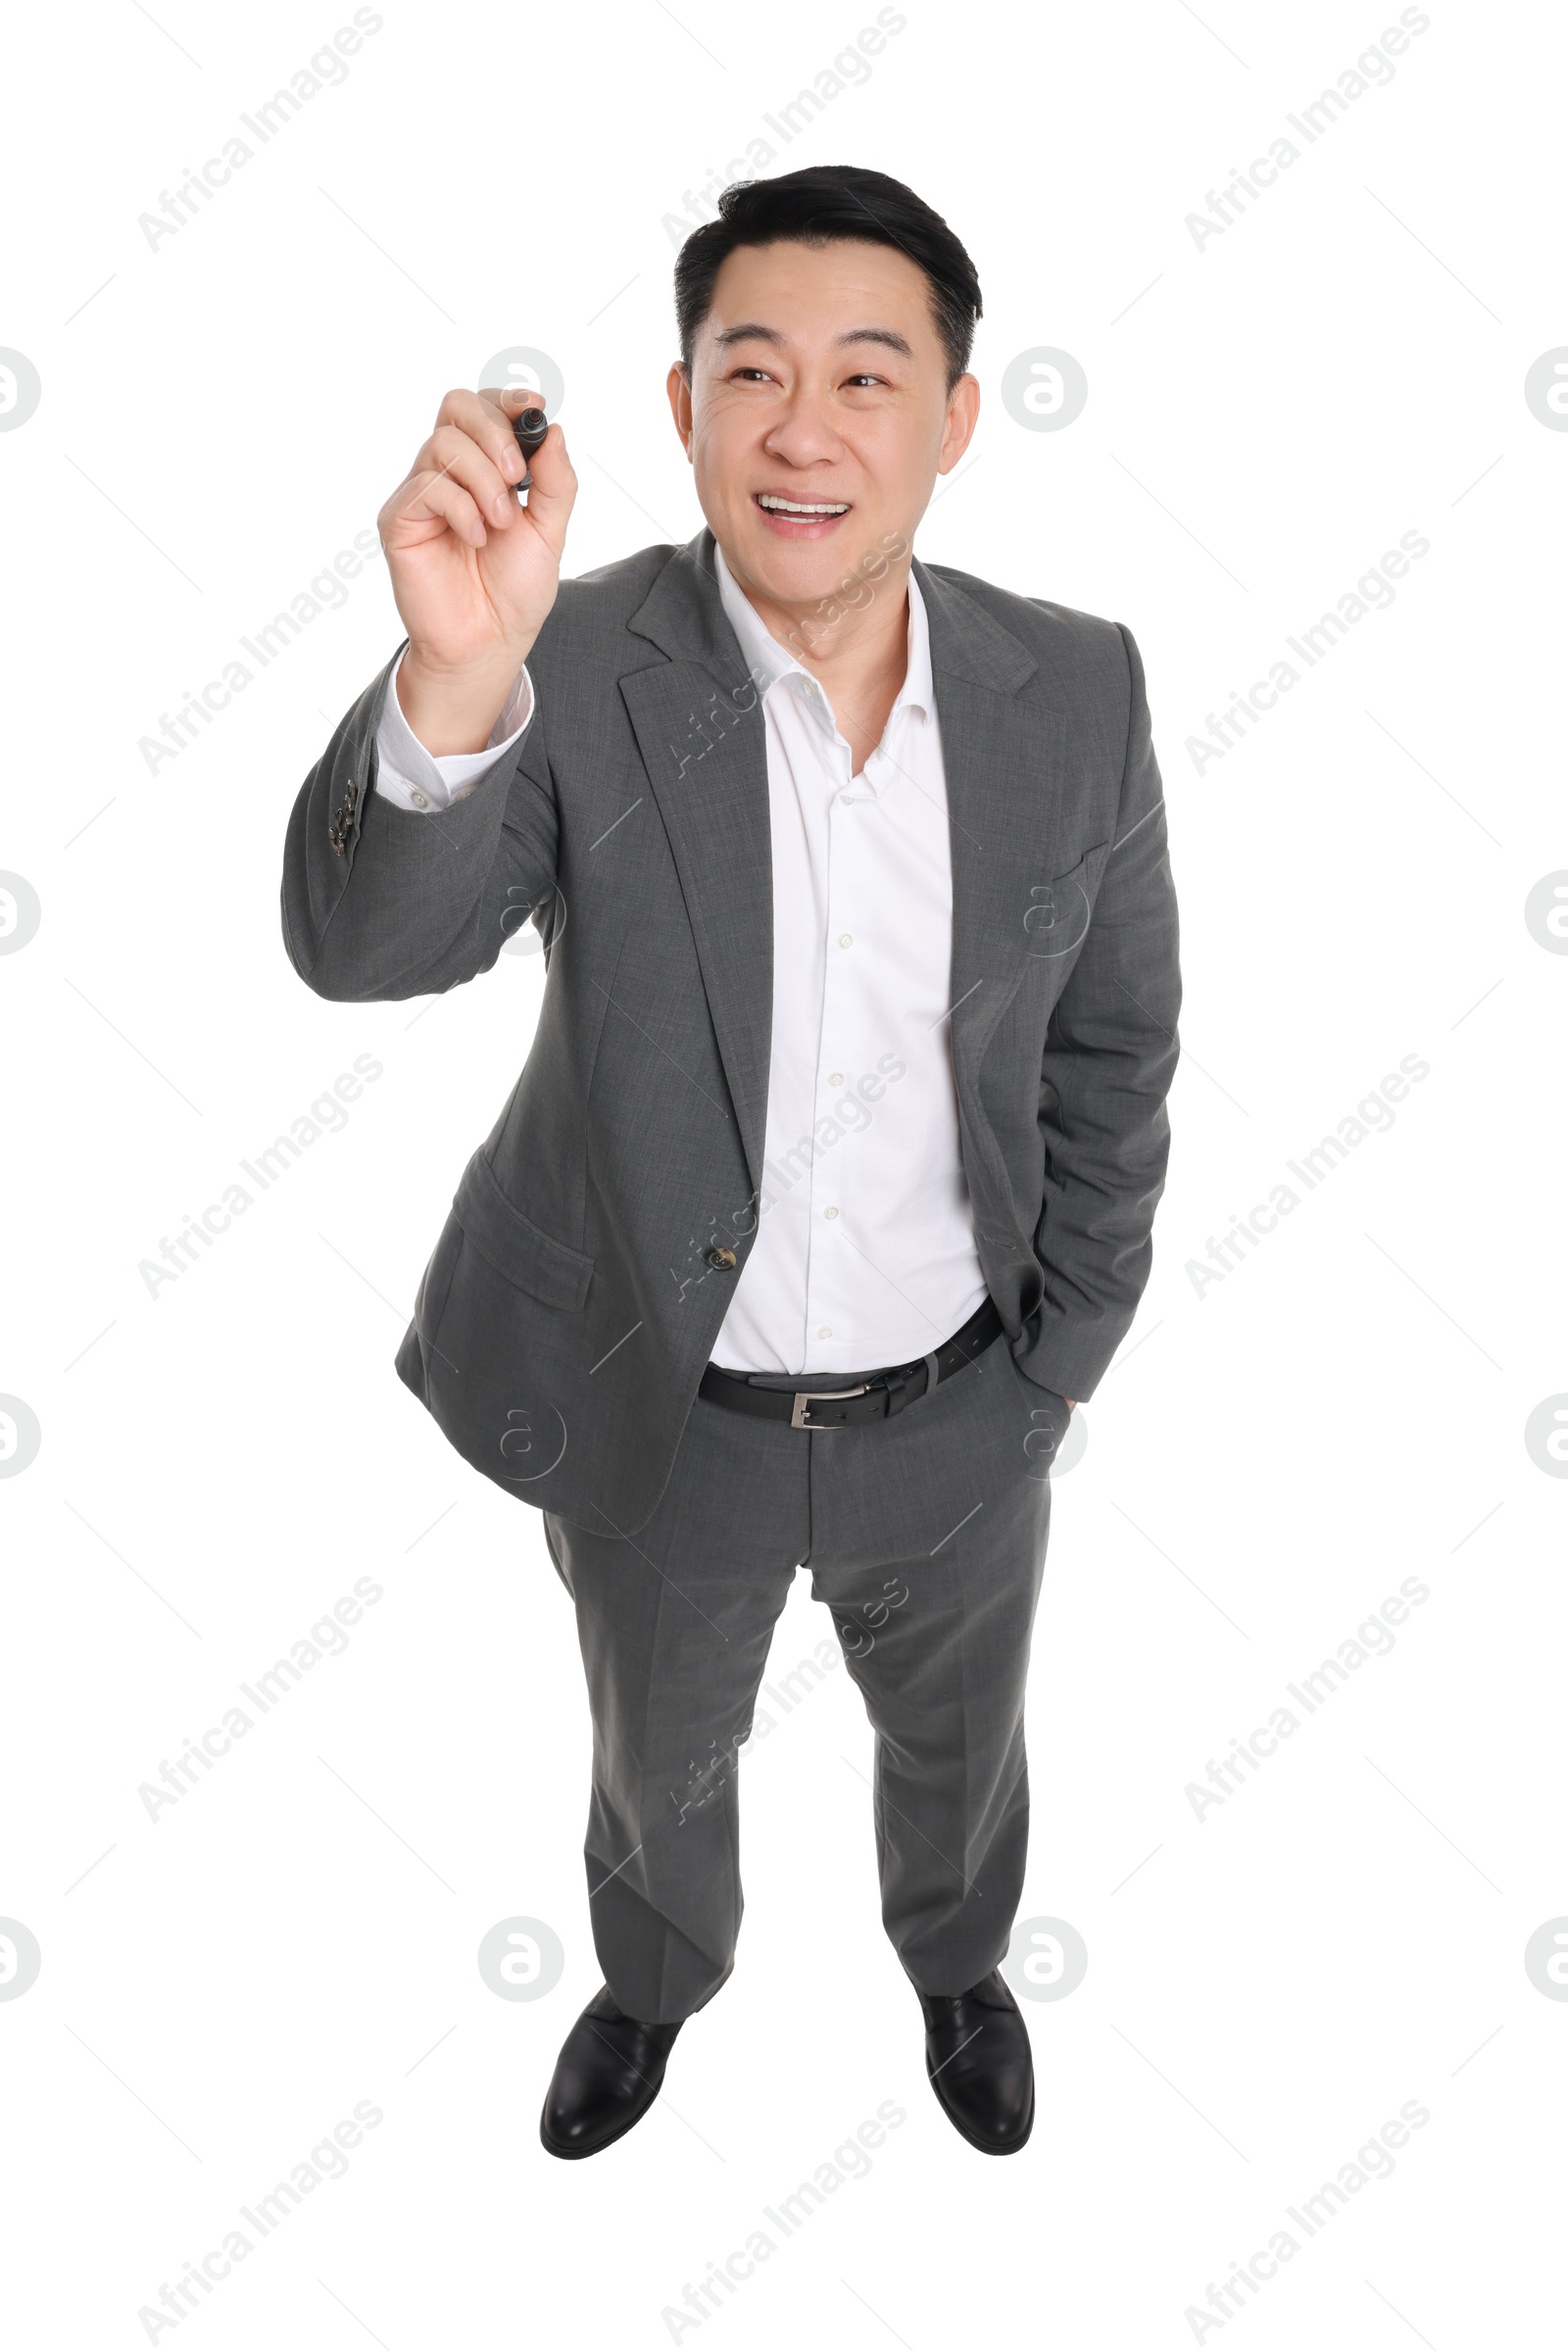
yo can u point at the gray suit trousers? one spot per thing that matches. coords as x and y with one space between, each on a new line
925 1535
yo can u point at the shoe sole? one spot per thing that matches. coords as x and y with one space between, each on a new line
981 2145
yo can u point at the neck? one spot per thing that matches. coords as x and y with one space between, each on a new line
860 655
850 649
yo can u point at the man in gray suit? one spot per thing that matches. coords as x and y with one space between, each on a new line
829 1183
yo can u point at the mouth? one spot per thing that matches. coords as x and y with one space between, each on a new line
800 517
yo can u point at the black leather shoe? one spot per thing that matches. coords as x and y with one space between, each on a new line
977 2060
608 2072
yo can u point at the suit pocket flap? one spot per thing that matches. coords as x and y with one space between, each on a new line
529 1259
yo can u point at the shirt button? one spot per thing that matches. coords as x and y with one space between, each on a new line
835 1077
848 798
846 938
830 1211
824 1330
419 801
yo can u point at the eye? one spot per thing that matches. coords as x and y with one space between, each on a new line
868 379
759 373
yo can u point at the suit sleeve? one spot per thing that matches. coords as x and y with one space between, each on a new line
381 901
1110 1055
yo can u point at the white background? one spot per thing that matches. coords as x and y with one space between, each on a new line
1269 1459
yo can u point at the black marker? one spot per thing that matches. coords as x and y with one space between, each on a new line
530 430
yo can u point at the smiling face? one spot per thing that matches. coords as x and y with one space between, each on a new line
817 418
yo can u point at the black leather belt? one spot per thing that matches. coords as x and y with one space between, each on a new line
877 1397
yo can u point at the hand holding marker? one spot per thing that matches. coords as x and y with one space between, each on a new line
474 569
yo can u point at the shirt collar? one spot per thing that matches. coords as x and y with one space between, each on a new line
769 662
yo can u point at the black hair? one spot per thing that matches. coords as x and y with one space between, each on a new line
819 206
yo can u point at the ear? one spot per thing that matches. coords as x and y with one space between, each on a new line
680 403
957 428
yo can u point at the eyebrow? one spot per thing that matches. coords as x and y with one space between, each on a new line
756 334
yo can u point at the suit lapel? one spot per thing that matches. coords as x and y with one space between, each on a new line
1003 763
699 727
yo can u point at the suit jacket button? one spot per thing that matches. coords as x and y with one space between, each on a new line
721 1261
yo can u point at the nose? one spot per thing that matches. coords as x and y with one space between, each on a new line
805 434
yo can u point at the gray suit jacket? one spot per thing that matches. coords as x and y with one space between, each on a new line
565 1320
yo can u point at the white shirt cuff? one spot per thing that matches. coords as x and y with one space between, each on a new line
414 778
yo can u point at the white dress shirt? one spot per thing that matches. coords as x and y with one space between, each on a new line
864 1253
409 775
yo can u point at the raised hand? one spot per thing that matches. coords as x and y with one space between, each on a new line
473 572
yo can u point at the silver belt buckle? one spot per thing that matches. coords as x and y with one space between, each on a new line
811 1396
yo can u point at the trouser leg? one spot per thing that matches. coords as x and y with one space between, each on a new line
929 1545
674 1625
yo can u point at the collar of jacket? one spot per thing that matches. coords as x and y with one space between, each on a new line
683 615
